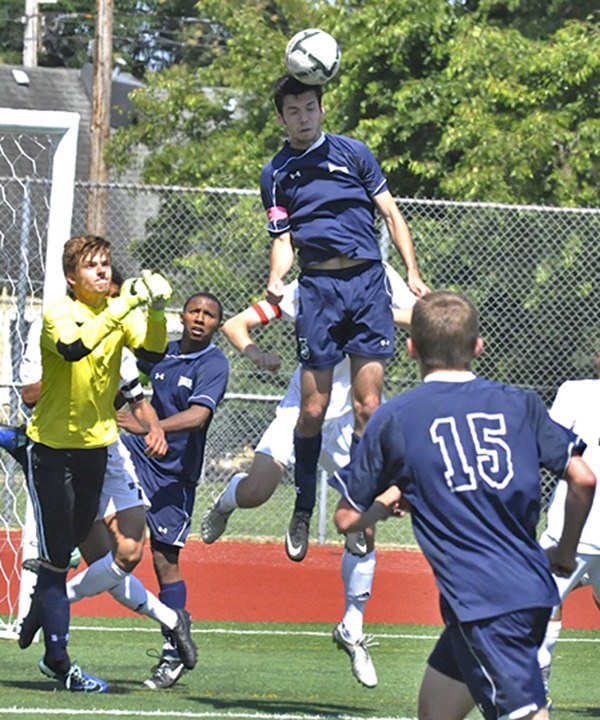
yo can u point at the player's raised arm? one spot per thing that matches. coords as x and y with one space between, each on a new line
401 237
237 331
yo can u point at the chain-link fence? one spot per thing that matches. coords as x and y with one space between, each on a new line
532 272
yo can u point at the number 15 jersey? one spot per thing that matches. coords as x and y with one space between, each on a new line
466 453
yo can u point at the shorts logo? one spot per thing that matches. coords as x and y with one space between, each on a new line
162 530
384 343
159 376
304 350
185 382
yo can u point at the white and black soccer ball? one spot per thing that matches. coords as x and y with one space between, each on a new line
313 56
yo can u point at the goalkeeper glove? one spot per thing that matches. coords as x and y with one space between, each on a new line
133 293
159 289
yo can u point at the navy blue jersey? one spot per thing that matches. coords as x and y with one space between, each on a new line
467 456
179 381
324 196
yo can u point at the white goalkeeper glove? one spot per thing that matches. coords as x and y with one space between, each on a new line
133 293
159 289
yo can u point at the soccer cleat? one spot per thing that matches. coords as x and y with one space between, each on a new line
33 564
182 637
75 679
362 665
296 538
165 674
214 522
30 624
12 438
356 543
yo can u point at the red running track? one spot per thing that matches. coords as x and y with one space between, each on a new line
255 582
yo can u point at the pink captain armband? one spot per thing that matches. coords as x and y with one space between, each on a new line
276 213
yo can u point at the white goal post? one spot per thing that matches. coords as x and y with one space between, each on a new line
38 151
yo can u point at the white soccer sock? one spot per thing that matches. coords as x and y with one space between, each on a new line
357 576
131 593
227 501
96 578
547 647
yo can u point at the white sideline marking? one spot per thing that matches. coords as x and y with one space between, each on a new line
306 633
164 713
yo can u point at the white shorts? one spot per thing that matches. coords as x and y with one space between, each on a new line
587 572
278 439
121 489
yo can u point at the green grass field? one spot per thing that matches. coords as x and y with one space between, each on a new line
270 671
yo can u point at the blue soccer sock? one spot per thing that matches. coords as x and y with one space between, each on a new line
306 451
54 610
173 595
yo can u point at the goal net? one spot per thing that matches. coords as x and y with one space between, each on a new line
37 170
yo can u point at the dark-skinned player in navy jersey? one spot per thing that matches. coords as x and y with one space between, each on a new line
187 386
320 193
464 454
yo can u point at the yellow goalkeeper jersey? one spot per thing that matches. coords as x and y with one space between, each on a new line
81 356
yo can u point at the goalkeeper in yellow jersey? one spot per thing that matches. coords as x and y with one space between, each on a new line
74 421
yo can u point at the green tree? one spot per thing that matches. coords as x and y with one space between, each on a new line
489 101
457 100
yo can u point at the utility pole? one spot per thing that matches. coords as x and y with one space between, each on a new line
100 130
31 35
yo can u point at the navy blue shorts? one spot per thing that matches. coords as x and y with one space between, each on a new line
169 516
344 312
497 659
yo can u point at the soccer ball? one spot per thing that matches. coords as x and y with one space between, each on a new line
313 56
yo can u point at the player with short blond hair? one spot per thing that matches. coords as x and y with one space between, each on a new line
464 453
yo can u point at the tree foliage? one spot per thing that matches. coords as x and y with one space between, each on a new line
464 100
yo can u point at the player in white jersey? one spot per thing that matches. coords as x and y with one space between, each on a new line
576 407
275 451
115 544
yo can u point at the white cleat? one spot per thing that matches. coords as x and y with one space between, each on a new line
362 665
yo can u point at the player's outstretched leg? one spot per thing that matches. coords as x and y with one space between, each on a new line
215 519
